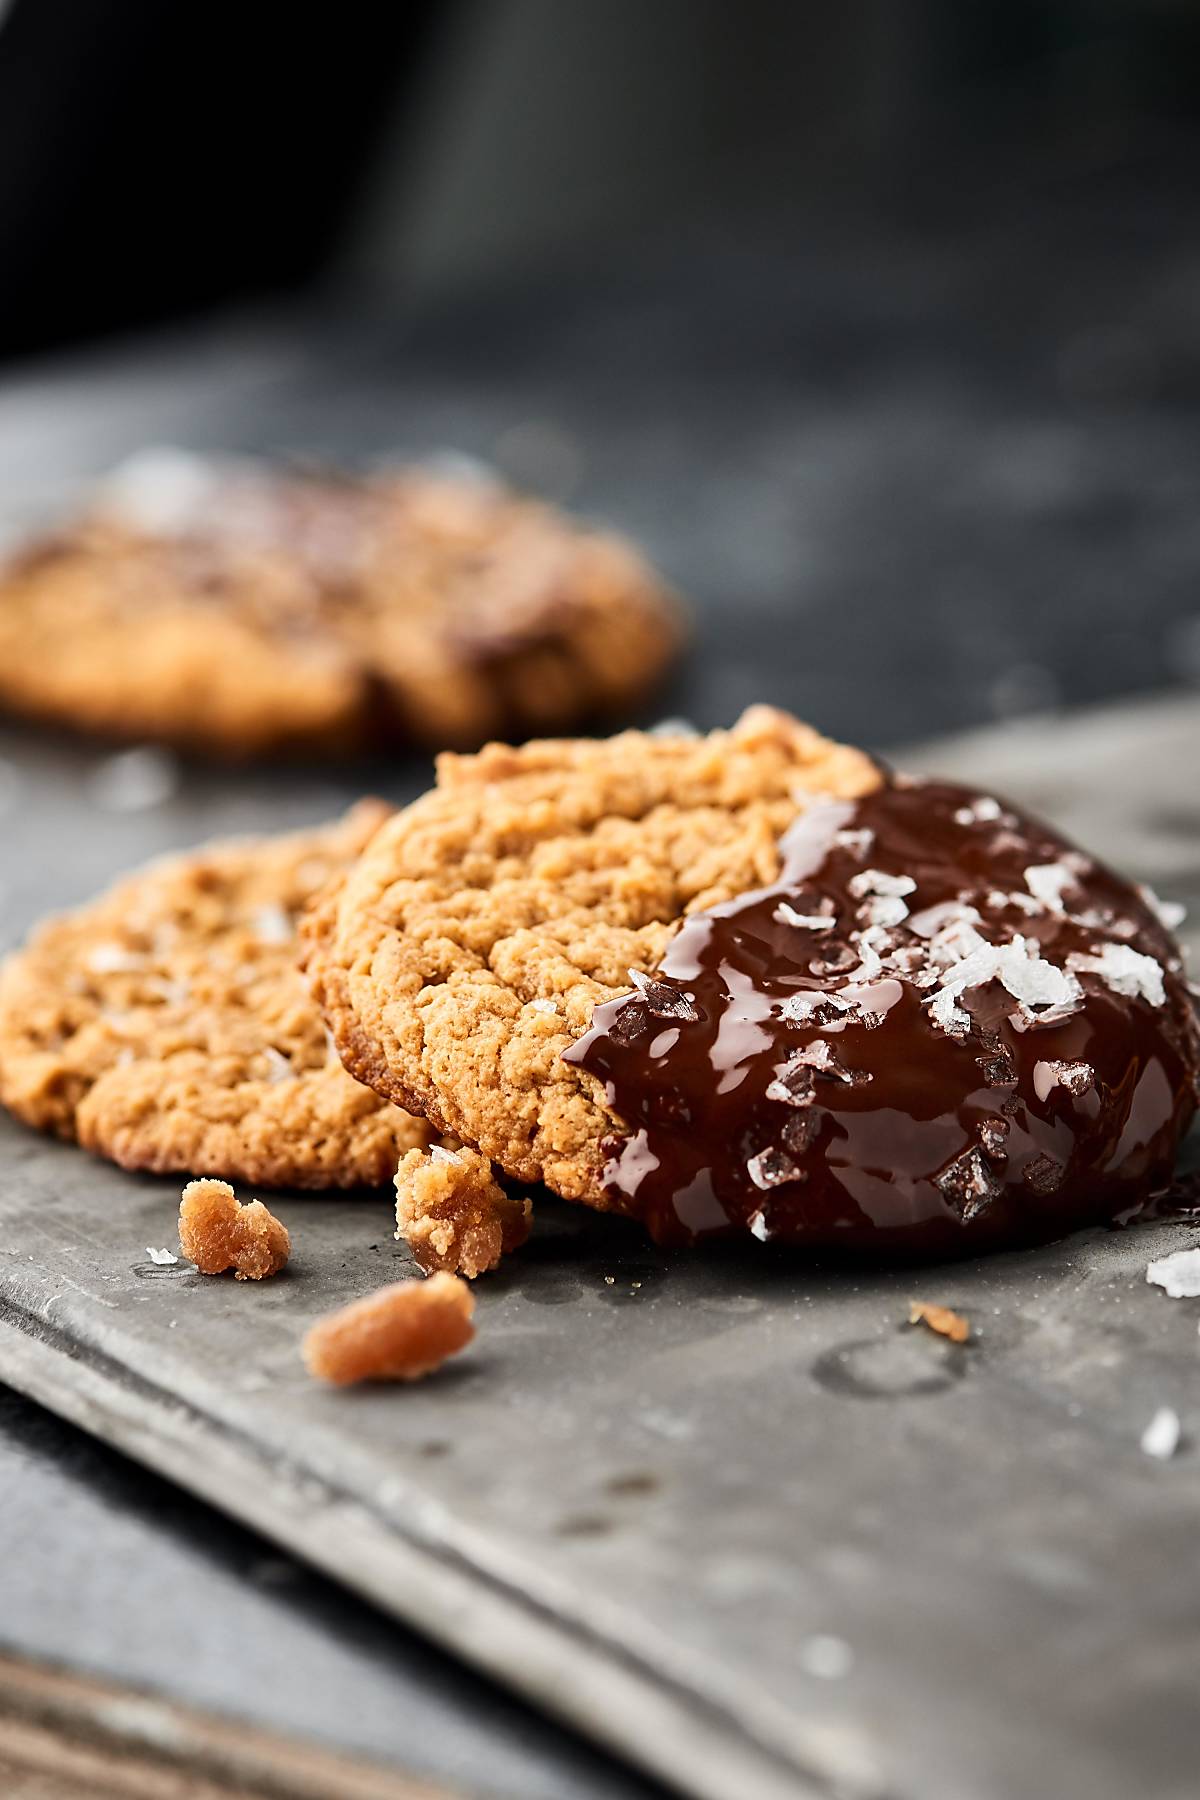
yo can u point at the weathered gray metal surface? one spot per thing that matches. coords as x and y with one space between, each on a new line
730 1514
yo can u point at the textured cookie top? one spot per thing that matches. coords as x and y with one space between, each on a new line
467 948
240 610
165 1024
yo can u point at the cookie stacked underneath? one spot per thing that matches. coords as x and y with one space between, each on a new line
166 1026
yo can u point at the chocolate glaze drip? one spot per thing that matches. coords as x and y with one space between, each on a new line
831 1062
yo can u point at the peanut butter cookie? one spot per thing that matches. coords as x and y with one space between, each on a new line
165 1024
468 947
752 984
239 611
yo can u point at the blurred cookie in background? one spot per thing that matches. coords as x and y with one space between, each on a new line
240 610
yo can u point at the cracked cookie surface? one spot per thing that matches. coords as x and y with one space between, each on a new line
165 1024
235 610
467 947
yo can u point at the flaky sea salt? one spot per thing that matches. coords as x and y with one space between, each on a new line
272 925
857 841
933 919
1178 1274
1125 971
1076 1077
439 1153
885 910
278 1067
945 1011
771 1168
545 1006
787 915
674 728
757 1223
806 1008
878 881
113 959
983 811
162 1257
134 781
968 1185
1047 883
1022 902
1169 913
161 489
664 1001
1161 1436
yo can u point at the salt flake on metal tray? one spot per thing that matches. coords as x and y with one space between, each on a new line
1161 1436
1178 1274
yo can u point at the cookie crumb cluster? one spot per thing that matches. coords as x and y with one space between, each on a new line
217 1232
453 1214
398 1334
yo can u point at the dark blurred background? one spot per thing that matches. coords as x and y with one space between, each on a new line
160 160
879 324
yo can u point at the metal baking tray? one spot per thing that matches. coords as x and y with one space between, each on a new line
728 1513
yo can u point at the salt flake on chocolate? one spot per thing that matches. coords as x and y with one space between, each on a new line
857 842
884 910
1169 913
968 1185
934 919
1125 971
983 811
822 921
945 1012
1076 1077
878 881
1047 882
772 1167
814 1008
664 1001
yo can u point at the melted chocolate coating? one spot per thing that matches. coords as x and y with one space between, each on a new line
782 1072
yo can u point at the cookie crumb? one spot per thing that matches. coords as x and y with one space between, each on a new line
453 1214
398 1334
216 1232
942 1319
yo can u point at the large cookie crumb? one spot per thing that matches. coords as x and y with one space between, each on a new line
399 1334
453 1214
216 1232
